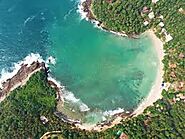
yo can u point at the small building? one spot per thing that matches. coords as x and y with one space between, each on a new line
181 10
161 24
168 37
161 17
146 23
151 15
44 120
145 10
181 56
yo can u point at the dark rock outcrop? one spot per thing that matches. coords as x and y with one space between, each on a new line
86 8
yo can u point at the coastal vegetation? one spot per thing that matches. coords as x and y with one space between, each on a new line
20 112
121 16
174 63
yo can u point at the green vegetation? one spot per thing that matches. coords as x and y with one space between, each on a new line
121 15
174 49
20 112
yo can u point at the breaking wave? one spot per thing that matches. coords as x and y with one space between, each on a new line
9 73
83 15
69 96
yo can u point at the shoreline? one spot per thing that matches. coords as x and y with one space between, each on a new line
20 78
22 72
156 90
19 84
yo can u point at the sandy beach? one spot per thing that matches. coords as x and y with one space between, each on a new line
156 90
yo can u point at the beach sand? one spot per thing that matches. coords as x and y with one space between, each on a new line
156 90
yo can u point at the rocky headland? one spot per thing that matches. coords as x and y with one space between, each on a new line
20 78
23 75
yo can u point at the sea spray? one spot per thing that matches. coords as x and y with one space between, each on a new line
69 96
99 116
80 10
68 13
69 32
9 73
29 19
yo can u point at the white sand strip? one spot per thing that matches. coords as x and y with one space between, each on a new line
156 90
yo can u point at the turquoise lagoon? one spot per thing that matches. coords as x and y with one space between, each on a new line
101 72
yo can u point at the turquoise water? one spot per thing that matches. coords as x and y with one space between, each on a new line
103 71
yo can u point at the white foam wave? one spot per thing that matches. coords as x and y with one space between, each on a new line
97 25
113 112
80 10
5 74
118 33
55 81
69 96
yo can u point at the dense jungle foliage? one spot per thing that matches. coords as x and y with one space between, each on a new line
121 15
